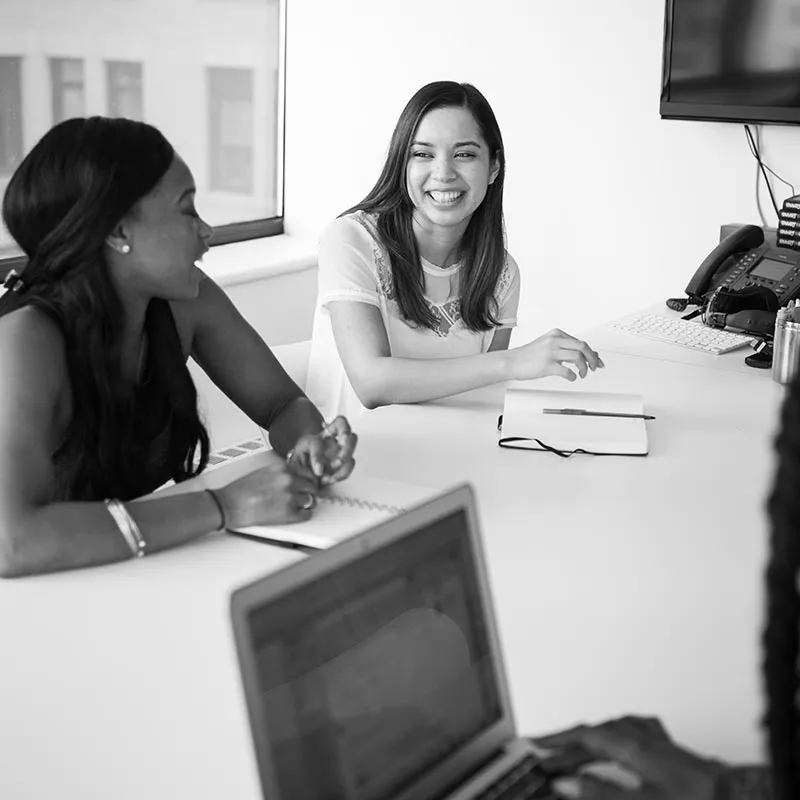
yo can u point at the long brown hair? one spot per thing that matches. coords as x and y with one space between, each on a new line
483 244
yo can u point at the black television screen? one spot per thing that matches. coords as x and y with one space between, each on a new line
732 60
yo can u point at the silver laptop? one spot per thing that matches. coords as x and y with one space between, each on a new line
372 670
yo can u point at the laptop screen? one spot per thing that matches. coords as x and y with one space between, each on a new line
375 672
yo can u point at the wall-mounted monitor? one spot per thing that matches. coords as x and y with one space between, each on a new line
732 61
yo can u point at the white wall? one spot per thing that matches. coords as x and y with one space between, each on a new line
608 207
281 309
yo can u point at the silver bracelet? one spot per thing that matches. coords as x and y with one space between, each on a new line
127 527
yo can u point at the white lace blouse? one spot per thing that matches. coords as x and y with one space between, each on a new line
354 265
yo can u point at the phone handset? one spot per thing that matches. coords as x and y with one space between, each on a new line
742 239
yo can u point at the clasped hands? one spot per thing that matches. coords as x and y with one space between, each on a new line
323 458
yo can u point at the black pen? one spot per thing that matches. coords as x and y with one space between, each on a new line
582 412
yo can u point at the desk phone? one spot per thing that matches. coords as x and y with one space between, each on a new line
742 260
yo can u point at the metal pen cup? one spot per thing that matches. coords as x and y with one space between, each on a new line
785 350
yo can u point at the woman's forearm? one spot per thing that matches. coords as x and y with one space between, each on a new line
297 418
65 536
385 380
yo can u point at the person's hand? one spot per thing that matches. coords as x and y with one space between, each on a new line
327 456
549 355
639 745
271 495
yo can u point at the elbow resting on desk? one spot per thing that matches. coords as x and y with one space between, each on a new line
11 559
33 542
386 380
373 383
371 396
23 551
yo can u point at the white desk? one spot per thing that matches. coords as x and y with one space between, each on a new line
621 584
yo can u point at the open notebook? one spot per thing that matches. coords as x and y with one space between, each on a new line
525 425
344 510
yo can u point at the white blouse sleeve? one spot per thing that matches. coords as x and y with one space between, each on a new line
346 264
507 294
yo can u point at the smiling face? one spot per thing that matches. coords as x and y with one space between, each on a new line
165 236
449 169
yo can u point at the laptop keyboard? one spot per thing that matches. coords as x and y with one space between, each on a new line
524 782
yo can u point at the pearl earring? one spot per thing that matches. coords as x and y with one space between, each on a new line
125 249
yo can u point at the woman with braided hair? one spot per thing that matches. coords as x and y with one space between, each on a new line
97 406
642 746
782 631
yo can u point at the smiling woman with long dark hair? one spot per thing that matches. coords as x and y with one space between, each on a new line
417 294
97 406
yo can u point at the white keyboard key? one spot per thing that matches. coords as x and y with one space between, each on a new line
683 332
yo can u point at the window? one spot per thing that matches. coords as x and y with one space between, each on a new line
67 89
10 114
124 89
209 75
230 125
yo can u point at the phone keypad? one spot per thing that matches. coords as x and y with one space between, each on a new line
739 278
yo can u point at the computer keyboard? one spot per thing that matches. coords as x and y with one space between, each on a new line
683 332
525 781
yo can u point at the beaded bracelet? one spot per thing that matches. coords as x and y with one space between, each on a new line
127 527
221 508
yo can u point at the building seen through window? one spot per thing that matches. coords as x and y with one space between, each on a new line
67 88
206 72
124 89
10 115
230 126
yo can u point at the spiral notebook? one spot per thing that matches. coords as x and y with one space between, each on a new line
344 510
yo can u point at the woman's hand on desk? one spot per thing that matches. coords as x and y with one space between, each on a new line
639 745
325 457
549 355
271 495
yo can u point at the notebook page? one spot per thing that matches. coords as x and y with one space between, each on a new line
523 418
344 510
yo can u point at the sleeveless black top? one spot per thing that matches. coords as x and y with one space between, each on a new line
149 457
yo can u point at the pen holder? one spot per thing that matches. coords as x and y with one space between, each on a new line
785 351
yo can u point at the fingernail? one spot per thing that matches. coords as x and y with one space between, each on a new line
567 787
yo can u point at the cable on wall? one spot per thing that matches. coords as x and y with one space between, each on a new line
763 169
768 168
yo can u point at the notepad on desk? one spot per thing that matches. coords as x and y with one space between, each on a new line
344 510
599 423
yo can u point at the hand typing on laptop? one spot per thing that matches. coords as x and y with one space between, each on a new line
642 747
